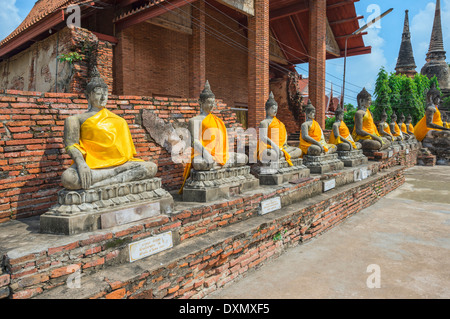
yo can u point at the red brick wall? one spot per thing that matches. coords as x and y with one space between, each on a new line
226 66
151 60
32 156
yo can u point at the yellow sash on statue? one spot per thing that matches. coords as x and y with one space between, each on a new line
214 139
105 141
386 128
368 126
403 128
345 133
316 133
421 129
411 128
397 131
277 134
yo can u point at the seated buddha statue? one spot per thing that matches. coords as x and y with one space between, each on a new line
445 120
340 134
101 146
312 140
403 128
431 123
409 125
384 129
365 130
273 137
209 139
395 128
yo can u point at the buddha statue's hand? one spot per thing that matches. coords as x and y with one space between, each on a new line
85 175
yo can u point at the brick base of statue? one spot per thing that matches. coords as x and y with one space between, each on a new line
381 155
206 186
440 147
323 164
105 207
352 158
281 172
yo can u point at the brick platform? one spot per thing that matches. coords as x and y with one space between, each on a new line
213 243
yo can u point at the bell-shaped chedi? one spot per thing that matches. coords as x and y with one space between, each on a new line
405 62
436 64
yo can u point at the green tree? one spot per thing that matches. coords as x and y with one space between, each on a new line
395 97
410 102
382 95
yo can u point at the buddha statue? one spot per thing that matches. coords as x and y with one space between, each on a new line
210 149
432 121
312 140
365 130
403 128
101 146
409 126
445 120
340 134
273 137
395 128
384 129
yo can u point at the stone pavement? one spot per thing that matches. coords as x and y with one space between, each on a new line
401 244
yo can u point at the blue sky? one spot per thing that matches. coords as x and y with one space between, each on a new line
384 38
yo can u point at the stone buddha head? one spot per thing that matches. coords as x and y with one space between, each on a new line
310 111
364 99
433 95
207 99
394 117
383 116
271 106
409 119
339 114
402 118
97 91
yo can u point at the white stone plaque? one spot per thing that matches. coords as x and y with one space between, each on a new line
364 173
390 154
270 205
407 151
329 184
150 246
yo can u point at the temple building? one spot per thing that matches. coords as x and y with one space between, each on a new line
405 62
170 48
436 64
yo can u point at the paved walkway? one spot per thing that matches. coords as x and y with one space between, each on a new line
401 244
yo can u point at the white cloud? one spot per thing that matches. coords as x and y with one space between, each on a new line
9 17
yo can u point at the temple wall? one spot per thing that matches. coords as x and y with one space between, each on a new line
38 69
32 155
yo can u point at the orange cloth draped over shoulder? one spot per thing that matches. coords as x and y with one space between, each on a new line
387 128
316 133
397 131
277 134
411 127
214 139
368 126
421 129
345 133
105 141
403 128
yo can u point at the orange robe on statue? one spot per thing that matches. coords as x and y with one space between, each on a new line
345 133
368 126
403 128
421 129
277 134
214 139
316 133
105 141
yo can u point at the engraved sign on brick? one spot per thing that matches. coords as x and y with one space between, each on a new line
270 205
329 184
150 246
390 154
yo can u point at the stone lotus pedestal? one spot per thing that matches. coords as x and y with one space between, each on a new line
105 207
206 186
277 173
352 158
323 164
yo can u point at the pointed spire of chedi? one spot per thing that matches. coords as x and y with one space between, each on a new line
436 64
405 62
